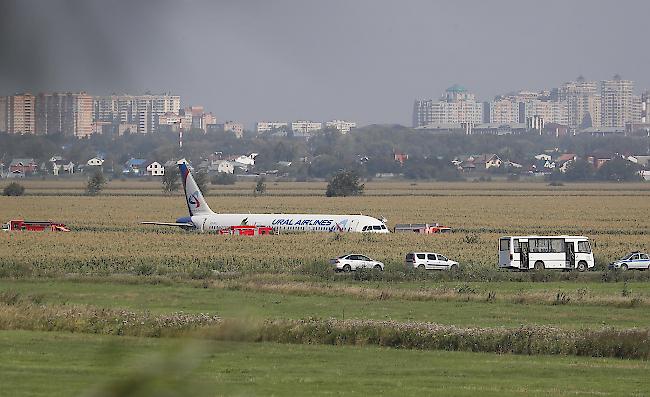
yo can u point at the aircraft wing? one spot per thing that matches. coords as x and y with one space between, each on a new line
180 224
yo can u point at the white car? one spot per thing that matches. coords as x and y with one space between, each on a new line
634 260
350 262
428 261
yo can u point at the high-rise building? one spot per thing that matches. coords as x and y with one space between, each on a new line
550 111
3 114
142 110
150 107
617 102
583 103
70 114
457 106
21 118
504 111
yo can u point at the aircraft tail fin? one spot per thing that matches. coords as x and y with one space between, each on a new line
196 203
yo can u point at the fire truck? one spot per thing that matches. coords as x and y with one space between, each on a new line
34 226
245 230
422 228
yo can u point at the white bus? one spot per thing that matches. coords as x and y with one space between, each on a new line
545 252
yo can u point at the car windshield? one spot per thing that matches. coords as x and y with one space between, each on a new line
628 256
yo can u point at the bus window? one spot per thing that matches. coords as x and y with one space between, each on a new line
584 247
504 244
557 245
515 245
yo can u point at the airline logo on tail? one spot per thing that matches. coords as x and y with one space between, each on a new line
193 200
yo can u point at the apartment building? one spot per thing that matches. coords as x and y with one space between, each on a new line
21 116
617 102
268 126
457 106
3 114
583 103
341 125
306 127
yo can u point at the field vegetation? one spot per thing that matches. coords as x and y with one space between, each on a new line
147 286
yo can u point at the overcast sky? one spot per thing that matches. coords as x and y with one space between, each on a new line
283 60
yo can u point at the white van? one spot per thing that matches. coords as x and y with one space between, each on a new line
428 261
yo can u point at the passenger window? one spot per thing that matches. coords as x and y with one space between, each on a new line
584 247
635 257
644 257
420 256
431 257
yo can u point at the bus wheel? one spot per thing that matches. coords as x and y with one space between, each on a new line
539 265
582 266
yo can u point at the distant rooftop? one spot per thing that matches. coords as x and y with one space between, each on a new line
456 88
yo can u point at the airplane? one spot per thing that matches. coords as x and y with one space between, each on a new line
203 219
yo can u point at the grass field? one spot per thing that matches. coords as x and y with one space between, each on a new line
58 364
112 262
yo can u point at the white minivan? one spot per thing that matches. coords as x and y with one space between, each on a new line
428 261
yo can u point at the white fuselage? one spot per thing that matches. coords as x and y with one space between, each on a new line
292 222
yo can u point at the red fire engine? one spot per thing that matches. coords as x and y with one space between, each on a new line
247 230
35 226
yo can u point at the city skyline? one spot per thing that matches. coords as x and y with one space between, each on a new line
357 60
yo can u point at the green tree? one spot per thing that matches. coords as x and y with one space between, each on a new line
171 179
95 183
223 178
344 183
14 189
260 187
618 169
202 180
579 170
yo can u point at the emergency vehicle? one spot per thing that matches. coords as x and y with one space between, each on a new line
34 226
245 230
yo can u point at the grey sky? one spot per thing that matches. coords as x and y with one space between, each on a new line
359 60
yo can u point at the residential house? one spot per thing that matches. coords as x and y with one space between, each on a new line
135 167
95 162
22 166
489 161
400 157
222 167
248 160
599 159
643 161
155 169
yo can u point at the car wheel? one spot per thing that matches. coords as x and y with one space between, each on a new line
624 267
582 266
421 268
453 268
539 265
378 267
347 268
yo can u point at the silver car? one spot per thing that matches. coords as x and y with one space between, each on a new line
634 260
429 261
351 262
